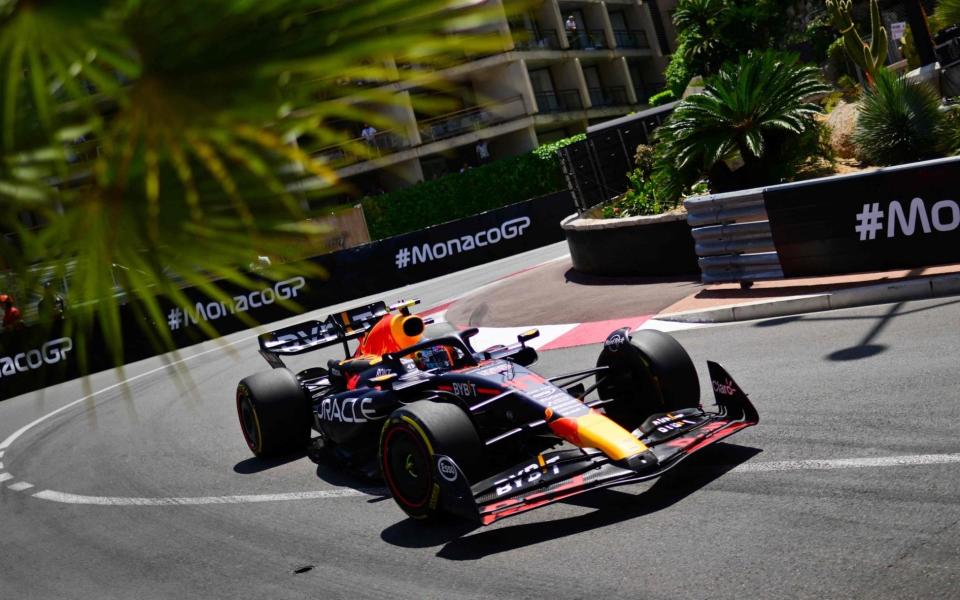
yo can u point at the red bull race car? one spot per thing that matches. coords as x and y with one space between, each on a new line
477 434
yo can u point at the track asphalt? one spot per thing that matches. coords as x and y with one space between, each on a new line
575 309
138 484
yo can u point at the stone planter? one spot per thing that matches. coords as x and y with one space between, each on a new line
657 245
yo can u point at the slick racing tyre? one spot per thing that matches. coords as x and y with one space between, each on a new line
652 373
409 442
274 414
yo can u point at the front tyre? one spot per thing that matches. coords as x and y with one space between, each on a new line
650 373
274 414
410 441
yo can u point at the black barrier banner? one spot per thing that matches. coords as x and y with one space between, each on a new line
385 265
894 218
31 359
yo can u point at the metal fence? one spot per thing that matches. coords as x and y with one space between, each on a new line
732 237
596 168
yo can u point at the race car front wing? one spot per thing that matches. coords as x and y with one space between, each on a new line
553 476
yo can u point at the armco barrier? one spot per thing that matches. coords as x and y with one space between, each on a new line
732 237
32 359
891 218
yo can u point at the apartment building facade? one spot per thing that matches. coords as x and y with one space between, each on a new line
564 64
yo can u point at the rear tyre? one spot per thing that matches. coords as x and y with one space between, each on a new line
411 439
274 414
652 374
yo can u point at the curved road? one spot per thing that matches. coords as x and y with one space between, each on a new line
849 486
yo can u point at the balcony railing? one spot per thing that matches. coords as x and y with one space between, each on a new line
559 101
545 39
593 39
381 144
471 119
631 38
608 96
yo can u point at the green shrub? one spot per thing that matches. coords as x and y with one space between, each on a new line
677 74
655 186
743 128
946 13
713 32
640 199
837 61
645 159
664 97
460 195
899 121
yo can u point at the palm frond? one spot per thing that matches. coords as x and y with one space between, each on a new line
189 117
740 108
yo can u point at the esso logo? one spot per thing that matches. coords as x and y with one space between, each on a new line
447 469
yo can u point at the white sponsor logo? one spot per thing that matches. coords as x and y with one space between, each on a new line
50 353
528 475
447 469
668 423
428 252
465 389
347 410
724 389
615 341
916 218
310 336
213 310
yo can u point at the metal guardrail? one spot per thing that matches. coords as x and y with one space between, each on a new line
732 237
543 39
593 39
596 168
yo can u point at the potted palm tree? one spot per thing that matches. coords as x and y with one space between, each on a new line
752 125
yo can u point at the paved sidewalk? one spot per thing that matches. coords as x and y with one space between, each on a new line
555 294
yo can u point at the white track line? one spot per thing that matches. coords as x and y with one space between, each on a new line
19 487
848 463
47 494
16 434
244 499
757 467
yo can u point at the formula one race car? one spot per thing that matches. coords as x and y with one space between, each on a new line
474 433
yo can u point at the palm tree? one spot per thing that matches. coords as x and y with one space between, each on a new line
747 114
945 14
161 135
899 121
697 20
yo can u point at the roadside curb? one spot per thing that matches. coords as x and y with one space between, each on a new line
895 291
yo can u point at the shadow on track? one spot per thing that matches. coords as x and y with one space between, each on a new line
611 507
342 476
254 464
865 348
573 276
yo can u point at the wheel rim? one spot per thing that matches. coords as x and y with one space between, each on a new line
407 467
249 423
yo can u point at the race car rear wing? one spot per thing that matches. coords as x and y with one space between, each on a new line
338 328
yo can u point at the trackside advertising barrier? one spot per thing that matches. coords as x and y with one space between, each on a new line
893 218
31 359
900 217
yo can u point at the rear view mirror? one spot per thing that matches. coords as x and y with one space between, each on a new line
528 335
